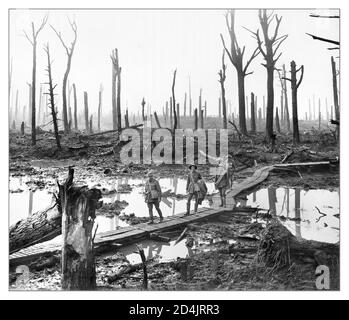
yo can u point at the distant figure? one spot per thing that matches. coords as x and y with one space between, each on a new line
193 188
153 196
223 181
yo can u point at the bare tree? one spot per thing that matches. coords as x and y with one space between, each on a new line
10 70
284 96
51 95
271 56
236 56
75 108
116 74
174 101
221 80
33 42
69 51
100 106
294 86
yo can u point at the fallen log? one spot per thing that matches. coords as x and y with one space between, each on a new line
38 227
280 248
110 131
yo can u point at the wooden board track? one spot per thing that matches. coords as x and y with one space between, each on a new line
132 234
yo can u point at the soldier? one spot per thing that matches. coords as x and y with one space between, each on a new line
223 181
193 188
153 196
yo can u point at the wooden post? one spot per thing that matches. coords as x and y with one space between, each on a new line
86 111
78 205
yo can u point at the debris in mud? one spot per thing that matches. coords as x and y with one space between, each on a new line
112 208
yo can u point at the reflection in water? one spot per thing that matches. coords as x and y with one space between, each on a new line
27 202
164 252
299 206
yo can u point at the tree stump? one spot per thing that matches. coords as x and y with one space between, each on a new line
280 248
78 206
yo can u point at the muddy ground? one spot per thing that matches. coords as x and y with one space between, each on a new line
223 250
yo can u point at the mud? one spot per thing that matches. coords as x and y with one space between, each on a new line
217 254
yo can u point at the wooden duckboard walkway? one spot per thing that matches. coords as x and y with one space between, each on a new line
132 234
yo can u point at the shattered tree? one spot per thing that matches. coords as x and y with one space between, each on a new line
236 56
33 41
271 47
294 86
78 205
69 51
52 98
221 80
116 90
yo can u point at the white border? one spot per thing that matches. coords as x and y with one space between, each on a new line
5 294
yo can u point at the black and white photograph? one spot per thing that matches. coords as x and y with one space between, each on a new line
174 149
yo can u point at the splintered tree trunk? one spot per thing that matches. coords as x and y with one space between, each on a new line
91 124
157 120
279 248
219 108
99 109
277 120
174 101
185 105
270 103
86 112
75 108
78 215
253 116
224 105
294 87
287 112
171 113
319 114
241 90
52 99
335 93
127 122
143 113
202 119
196 118
114 110
178 116
118 102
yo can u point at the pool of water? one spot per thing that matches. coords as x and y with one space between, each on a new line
299 211
24 201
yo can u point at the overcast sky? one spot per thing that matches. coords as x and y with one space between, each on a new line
153 43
